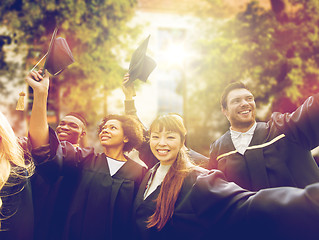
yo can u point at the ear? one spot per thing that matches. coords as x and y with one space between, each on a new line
125 140
225 112
83 133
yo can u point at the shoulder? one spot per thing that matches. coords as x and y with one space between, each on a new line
87 151
68 148
221 145
198 158
195 172
219 142
137 166
134 157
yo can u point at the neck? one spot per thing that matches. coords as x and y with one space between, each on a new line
242 128
165 165
115 153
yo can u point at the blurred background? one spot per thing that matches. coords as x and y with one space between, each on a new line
199 45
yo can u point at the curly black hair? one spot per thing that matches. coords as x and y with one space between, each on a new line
132 129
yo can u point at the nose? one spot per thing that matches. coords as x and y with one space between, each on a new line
63 127
104 130
162 141
244 102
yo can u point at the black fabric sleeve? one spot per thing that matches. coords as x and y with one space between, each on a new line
302 125
42 156
129 107
279 213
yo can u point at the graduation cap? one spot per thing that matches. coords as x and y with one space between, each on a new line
58 57
141 65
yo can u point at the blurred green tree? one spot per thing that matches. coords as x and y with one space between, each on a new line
96 32
275 51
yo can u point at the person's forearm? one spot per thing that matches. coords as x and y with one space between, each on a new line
38 129
129 107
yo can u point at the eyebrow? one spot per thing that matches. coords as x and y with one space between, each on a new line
243 96
166 132
109 125
68 122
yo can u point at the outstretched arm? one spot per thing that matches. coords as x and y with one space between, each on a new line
38 128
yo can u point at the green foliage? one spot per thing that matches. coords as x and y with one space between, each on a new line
95 31
277 57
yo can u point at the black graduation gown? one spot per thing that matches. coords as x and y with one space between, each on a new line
17 205
279 153
208 207
90 203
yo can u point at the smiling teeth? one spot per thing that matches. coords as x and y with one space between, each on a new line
162 151
63 133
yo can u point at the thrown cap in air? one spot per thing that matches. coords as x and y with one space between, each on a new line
141 65
59 55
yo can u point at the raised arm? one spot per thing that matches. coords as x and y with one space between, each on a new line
38 128
301 125
129 92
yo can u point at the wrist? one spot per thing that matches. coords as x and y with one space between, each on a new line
129 98
40 94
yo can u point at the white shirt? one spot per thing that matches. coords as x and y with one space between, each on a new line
242 140
156 179
114 165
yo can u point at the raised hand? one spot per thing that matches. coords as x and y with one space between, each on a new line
39 83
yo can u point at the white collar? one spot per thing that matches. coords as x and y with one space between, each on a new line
236 134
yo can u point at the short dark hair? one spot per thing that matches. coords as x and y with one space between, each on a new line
80 116
132 129
230 87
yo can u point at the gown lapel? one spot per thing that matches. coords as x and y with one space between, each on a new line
255 159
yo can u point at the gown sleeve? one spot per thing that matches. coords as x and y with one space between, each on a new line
144 150
302 125
59 158
277 213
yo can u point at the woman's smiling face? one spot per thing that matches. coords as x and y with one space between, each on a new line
165 145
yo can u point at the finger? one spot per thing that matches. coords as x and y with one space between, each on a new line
39 75
30 78
46 73
34 76
125 81
126 78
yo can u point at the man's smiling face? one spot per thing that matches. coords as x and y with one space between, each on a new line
241 109
70 129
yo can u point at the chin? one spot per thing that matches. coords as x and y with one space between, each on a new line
247 124
63 139
161 159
